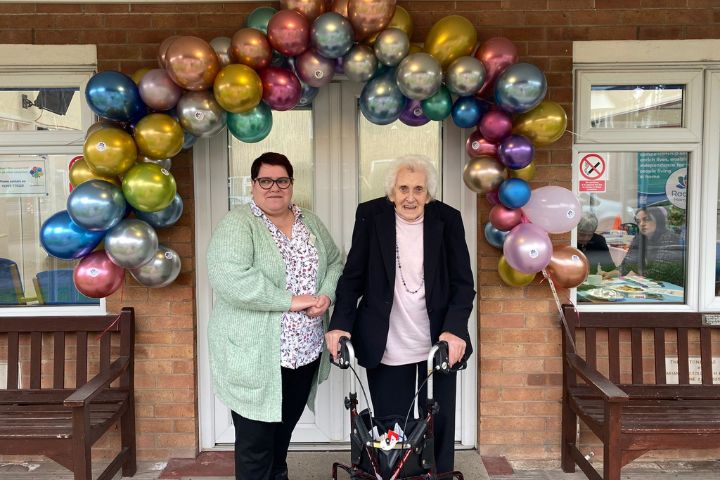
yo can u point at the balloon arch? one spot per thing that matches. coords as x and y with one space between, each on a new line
123 188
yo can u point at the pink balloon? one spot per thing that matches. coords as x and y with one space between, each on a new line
495 126
281 88
477 146
554 209
527 248
96 276
496 54
504 218
288 32
314 69
158 91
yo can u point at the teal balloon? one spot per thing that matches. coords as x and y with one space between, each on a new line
439 106
259 18
251 126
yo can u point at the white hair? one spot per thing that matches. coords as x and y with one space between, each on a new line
414 163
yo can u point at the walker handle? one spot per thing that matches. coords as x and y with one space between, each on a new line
441 359
346 356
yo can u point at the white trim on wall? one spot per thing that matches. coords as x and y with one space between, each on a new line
646 51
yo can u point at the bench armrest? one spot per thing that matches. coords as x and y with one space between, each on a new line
607 390
83 395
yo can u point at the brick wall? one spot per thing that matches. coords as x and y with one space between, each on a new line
520 366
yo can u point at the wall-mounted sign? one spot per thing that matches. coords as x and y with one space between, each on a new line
593 169
23 178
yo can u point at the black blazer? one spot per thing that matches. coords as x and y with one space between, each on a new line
369 275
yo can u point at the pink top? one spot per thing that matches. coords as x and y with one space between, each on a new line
408 338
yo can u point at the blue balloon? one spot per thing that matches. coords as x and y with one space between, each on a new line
96 205
520 88
165 217
381 101
495 237
514 192
188 140
307 94
63 238
467 111
114 95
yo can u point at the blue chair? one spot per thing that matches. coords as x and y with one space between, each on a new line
11 290
56 287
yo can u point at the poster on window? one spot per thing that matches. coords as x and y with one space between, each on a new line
662 178
24 177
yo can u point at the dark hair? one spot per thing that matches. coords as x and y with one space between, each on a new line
658 215
270 158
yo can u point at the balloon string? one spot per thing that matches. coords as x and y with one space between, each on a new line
114 322
524 218
563 320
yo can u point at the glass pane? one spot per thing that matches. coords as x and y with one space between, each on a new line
636 106
32 188
291 135
633 229
379 145
24 110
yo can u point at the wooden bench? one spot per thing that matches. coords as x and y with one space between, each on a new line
638 405
39 415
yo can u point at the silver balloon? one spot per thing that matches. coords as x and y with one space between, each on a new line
360 63
165 217
165 163
158 91
314 69
96 205
391 46
381 101
465 76
332 35
419 76
162 269
131 243
221 45
520 88
200 114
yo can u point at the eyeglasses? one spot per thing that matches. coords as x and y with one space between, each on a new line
266 183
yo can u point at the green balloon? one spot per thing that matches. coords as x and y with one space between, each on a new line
438 106
259 18
148 187
251 126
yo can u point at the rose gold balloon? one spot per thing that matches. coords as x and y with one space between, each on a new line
496 54
96 276
162 50
340 6
250 47
504 218
289 32
369 16
568 267
477 146
310 8
192 63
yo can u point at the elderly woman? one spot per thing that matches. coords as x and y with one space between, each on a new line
409 266
593 245
273 268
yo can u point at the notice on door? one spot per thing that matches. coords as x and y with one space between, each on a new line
593 170
23 178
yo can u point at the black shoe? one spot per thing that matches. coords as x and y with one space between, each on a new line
281 475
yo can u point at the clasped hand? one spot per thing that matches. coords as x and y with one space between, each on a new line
312 305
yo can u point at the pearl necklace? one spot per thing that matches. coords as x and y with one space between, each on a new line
402 278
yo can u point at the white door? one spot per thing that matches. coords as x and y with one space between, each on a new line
338 158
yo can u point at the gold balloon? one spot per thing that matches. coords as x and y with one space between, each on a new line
192 63
484 174
340 6
568 267
139 73
149 187
526 173
238 88
543 124
415 48
451 37
81 172
310 8
511 276
400 20
159 136
110 151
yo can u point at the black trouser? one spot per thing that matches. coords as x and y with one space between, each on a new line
261 447
392 389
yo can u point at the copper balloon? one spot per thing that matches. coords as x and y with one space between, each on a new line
250 47
289 32
568 267
192 63
162 50
238 88
80 172
310 8
484 174
340 6
543 124
370 16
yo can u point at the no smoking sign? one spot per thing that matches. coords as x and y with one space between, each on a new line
593 173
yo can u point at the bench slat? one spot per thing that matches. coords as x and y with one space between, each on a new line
706 356
81 359
614 354
660 373
59 360
13 356
683 357
35 359
637 355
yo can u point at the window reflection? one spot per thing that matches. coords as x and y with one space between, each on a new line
636 106
40 109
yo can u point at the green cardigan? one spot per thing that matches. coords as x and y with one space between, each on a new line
247 274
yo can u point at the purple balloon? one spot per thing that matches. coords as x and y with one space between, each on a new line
413 114
527 248
314 69
158 91
554 209
516 151
495 125
281 88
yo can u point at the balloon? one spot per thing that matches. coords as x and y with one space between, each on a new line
104 123
554 209
467 111
149 187
114 95
543 124
237 88
165 163
527 248
521 87
309 8
483 174
438 106
511 276
200 114
250 47
494 237
369 16
158 91
289 32
159 136
139 73
495 125
381 101
413 115
516 151
527 173
496 54
307 94
391 46
360 63
192 63
96 276
259 18
131 243
162 269
110 151
419 76
465 76
165 217
81 172
514 193
96 205
221 45
504 218
340 6
63 238
281 88
451 37
162 50
331 35
251 126
314 69
477 146
401 19
568 267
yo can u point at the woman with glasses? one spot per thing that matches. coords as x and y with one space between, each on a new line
273 268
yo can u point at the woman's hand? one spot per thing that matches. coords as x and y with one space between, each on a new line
610 274
320 307
302 302
332 339
456 347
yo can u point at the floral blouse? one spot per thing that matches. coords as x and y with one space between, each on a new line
301 337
